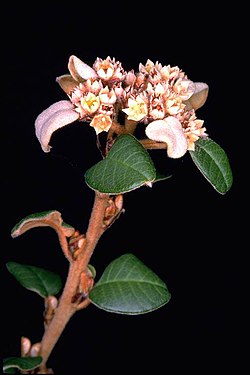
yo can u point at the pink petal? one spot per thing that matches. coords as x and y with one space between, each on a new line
54 117
170 132
47 113
67 83
79 70
199 96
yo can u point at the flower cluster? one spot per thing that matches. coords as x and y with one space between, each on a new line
161 97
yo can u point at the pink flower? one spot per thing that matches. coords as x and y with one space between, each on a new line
170 131
56 116
160 96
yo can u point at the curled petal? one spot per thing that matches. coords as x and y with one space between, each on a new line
199 96
47 113
67 83
79 70
54 117
170 132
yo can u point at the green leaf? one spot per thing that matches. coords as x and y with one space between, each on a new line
127 286
39 280
22 363
213 163
161 177
11 370
127 166
42 219
92 270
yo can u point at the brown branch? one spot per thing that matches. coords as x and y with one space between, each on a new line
130 126
62 239
66 307
64 245
117 129
153 145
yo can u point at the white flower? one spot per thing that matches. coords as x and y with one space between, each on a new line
90 103
137 109
101 123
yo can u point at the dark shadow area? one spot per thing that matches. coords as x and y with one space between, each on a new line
181 228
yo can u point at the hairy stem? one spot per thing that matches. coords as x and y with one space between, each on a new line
130 126
66 307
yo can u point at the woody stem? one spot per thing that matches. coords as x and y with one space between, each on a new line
66 307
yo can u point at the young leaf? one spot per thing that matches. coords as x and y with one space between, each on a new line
128 286
92 270
42 219
127 166
21 363
39 280
213 163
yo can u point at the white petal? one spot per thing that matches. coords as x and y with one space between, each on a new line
199 96
79 70
54 117
170 132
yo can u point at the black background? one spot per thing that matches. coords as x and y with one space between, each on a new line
185 231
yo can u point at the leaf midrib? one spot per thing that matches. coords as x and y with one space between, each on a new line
215 160
130 166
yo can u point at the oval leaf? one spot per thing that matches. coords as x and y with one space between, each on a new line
213 163
127 286
22 363
39 280
126 167
42 219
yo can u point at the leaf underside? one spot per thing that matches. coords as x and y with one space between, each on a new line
21 363
42 219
